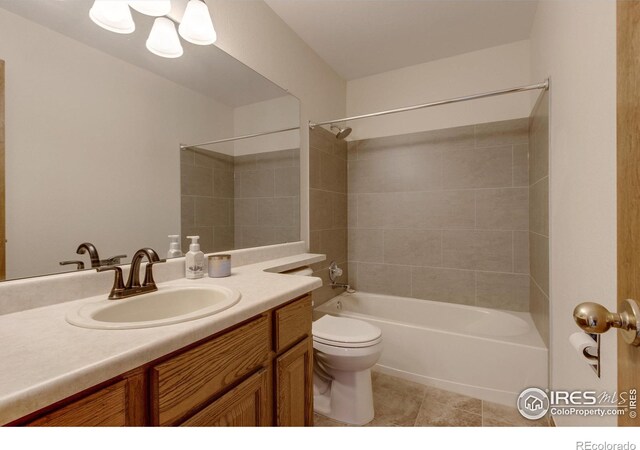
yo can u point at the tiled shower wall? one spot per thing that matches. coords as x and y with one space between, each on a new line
539 215
327 207
239 202
443 215
267 198
207 192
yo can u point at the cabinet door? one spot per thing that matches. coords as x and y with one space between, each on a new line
294 386
246 405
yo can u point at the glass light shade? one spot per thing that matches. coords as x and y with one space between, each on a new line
196 26
112 15
155 8
163 39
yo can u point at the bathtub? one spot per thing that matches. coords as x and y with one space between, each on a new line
484 353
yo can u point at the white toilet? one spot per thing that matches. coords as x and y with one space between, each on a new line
345 350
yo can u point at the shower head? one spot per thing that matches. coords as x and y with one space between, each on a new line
342 132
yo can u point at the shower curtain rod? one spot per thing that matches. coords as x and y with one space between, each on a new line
544 85
237 138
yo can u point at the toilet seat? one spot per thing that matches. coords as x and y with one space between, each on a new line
345 332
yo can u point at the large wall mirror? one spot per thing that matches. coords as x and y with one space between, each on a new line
94 128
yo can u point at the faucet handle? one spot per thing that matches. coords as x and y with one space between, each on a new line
118 282
112 261
79 264
148 272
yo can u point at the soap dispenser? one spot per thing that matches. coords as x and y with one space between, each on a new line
194 260
174 247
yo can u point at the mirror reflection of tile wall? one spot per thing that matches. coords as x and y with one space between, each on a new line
242 201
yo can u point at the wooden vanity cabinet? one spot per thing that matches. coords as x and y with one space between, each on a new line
258 373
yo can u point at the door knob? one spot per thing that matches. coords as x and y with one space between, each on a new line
595 318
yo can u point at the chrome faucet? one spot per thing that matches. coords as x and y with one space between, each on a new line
133 286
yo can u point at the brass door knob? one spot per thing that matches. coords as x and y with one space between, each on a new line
595 318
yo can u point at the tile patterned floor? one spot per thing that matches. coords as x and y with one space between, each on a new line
400 403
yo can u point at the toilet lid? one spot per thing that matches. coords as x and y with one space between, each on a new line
342 330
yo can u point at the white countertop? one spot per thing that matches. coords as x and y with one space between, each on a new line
44 359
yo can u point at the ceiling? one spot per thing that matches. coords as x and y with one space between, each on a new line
205 69
364 37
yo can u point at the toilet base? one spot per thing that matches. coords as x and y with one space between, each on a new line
349 398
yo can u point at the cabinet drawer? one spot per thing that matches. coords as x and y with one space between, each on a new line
105 408
292 322
190 379
246 405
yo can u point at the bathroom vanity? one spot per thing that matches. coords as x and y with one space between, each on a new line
247 365
258 373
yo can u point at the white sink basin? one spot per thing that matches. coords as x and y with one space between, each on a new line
165 306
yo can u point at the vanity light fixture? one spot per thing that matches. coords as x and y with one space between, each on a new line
112 15
163 39
154 8
196 26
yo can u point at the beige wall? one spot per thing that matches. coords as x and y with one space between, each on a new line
328 206
101 143
539 215
442 215
574 42
471 73
252 33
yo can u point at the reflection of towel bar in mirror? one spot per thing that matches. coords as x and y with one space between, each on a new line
237 138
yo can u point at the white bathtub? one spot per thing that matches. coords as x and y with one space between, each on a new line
484 353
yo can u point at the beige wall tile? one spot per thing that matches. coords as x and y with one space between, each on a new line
196 181
478 168
212 211
539 140
415 143
352 210
314 168
244 163
539 211
333 173
539 254
286 234
255 236
502 209
223 183
449 209
223 238
506 132
413 247
246 212
257 183
540 311
521 252
320 210
395 210
287 182
384 279
442 285
278 159
333 243
187 157
397 173
277 212
503 291
521 165
479 250
366 245
187 211
212 159
340 210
